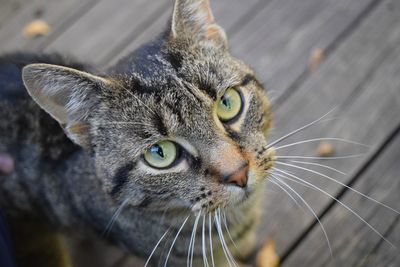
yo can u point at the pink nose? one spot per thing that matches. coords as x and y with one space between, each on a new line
238 178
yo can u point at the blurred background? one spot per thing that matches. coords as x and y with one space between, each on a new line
312 56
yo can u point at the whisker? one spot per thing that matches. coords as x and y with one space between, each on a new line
203 243
114 217
321 158
210 236
223 243
227 230
341 203
175 238
193 240
220 239
299 129
340 183
320 165
329 119
323 139
299 182
273 181
154 249
169 235
321 121
310 209
190 247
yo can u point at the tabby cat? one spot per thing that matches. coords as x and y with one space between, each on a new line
159 155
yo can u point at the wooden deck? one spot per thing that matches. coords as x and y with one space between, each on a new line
360 76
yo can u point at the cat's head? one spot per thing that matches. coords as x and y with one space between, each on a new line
180 123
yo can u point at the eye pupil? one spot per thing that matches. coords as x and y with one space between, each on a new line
226 102
158 150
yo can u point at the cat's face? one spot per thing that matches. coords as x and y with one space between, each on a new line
188 133
179 124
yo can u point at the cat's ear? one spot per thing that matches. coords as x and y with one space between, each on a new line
68 95
194 19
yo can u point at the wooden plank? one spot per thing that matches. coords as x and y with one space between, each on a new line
7 18
352 241
58 14
280 38
264 36
369 104
86 251
227 13
105 26
317 82
382 256
8 9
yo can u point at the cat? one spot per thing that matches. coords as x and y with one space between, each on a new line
171 139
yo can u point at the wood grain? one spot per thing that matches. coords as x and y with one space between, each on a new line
353 242
361 81
279 40
58 14
359 74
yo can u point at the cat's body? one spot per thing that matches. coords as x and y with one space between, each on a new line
166 89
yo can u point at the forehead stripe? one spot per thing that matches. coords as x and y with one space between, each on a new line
250 78
209 90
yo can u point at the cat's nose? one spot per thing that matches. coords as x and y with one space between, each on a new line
239 177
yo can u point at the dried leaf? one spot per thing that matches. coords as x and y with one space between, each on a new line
316 58
325 149
267 256
36 28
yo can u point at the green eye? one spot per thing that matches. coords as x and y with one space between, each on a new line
229 105
161 155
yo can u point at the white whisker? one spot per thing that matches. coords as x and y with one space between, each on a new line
299 182
340 183
299 129
192 241
227 230
155 247
176 237
340 202
320 165
114 217
203 243
322 139
222 238
310 209
210 236
273 181
321 158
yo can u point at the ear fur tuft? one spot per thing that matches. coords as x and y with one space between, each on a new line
194 19
68 95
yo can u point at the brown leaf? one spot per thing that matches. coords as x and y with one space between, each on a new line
325 149
316 58
267 256
36 28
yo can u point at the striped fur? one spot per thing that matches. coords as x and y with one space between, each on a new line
165 89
